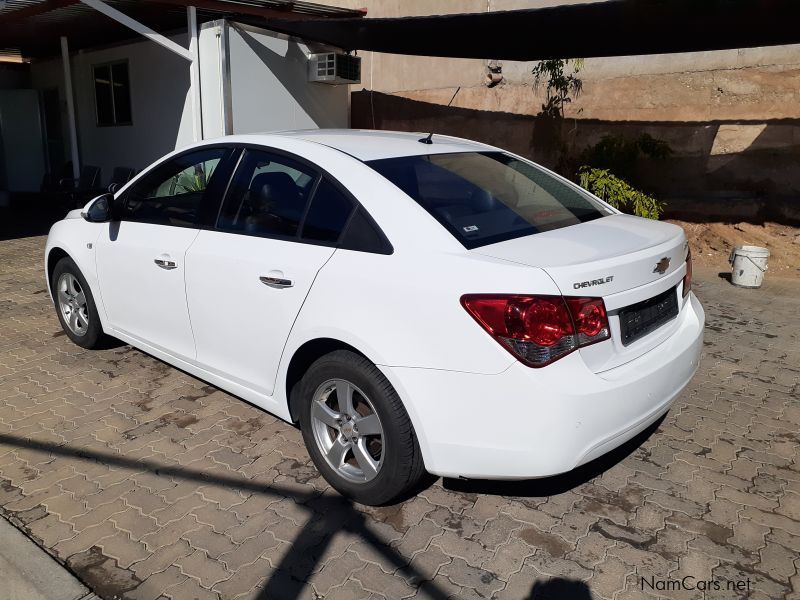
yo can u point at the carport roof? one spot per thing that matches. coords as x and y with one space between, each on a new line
33 27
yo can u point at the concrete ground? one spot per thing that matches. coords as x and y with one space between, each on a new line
28 573
148 483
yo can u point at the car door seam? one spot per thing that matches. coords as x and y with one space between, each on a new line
294 321
186 294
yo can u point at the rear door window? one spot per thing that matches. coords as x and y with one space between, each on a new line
268 195
488 197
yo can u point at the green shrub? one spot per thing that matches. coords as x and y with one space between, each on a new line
619 193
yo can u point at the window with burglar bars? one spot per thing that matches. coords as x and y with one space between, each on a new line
112 94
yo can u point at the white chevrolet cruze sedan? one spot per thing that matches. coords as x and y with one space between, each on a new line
415 304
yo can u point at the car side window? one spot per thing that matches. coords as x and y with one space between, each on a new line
172 193
363 235
268 195
328 214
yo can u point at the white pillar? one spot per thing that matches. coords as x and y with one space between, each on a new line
73 128
194 75
225 78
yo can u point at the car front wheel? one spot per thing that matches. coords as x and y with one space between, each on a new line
357 431
75 305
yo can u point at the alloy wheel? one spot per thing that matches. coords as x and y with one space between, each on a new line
347 430
72 304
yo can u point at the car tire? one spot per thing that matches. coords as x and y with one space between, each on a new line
75 306
395 450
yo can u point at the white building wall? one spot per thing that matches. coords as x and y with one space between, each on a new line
269 92
268 83
160 104
281 97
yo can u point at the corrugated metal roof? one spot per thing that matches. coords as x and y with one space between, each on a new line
33 27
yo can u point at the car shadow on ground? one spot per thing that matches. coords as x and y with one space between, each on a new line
558 484
328 515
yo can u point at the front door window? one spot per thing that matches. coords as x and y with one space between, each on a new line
172 193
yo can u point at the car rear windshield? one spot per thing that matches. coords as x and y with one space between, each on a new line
488 197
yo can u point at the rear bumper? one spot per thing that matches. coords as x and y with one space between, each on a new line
526 423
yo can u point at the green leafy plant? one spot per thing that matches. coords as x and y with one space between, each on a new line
562 83
619 193
194 179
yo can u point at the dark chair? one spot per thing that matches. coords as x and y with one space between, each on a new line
76 192
51 180
120 177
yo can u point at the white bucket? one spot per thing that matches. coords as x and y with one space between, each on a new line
748 265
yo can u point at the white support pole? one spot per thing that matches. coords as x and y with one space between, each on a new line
194 75
124 19
73 128
225 78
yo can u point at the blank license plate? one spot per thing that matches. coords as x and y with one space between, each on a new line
637 320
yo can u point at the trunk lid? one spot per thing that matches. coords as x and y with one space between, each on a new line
624 248
620 258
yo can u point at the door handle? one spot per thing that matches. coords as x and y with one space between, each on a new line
276 282
166 263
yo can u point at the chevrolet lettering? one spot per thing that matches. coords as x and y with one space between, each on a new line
593 282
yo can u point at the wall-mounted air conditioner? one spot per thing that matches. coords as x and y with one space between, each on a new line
334 68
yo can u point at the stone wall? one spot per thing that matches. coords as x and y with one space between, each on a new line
718 171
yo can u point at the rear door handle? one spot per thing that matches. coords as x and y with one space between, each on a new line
166 263
276 279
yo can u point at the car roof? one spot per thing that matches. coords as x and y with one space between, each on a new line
369 145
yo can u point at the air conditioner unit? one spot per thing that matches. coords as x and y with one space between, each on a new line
334 68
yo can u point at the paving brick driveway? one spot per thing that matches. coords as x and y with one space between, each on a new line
149 483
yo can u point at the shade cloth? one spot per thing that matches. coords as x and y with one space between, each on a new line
611 28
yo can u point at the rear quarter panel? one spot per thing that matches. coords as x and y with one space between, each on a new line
404 310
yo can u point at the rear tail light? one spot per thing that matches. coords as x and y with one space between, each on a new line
687 279
591 320
539 330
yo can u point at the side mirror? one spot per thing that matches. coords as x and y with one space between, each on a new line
99 210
